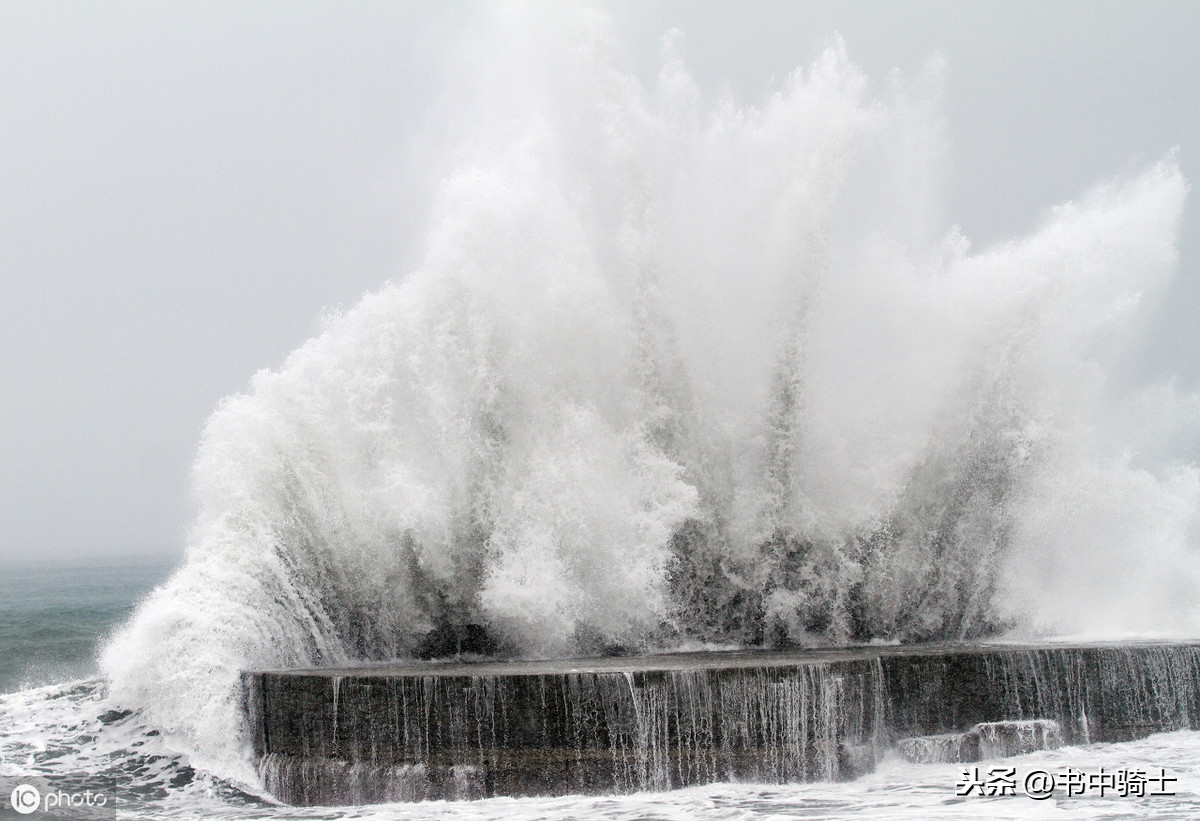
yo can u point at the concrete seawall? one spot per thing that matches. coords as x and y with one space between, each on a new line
453 730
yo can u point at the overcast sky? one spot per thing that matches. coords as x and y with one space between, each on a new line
185 187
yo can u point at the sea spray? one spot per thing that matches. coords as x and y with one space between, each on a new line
673 371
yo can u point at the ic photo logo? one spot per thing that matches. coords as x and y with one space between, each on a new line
25 799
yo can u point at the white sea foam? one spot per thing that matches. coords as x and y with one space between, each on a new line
54 731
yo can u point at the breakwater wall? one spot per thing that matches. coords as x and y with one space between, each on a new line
469 730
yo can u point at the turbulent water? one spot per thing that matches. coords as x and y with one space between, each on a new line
680 371
677 372
56 732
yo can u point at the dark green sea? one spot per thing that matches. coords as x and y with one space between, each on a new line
54 615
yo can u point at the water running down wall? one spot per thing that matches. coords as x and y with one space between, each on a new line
463 731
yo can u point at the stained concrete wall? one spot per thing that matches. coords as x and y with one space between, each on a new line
433 730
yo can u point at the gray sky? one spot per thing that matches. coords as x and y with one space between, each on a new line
185 187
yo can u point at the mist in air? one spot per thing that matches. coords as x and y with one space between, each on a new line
677 370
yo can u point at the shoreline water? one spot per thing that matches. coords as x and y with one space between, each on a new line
51 731
58 730
56 612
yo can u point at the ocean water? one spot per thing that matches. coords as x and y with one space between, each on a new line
72 732
53 615
688 372
676 370
59 725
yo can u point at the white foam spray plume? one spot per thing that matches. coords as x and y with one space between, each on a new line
673 372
